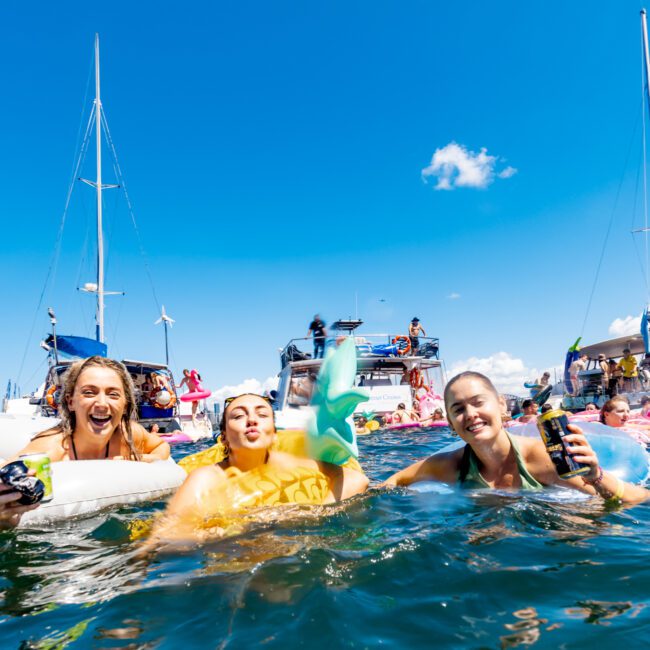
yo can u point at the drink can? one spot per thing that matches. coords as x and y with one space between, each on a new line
553 426
40 463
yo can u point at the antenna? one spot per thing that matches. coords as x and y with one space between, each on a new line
164 319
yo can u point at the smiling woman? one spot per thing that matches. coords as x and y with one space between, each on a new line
96 411
494 458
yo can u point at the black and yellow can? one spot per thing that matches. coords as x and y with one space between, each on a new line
553 426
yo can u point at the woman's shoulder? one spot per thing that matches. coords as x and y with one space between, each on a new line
48 442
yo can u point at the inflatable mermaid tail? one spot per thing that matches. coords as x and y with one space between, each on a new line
331 435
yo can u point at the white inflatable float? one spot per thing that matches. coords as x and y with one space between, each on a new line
84 487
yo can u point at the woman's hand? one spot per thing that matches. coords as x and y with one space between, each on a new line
10 510
580 450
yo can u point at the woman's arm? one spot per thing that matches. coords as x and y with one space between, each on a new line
201 496
439 467
344 482
150 446
48 442
598 481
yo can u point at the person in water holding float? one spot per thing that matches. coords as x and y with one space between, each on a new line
192 380
494 458
252 469
97 411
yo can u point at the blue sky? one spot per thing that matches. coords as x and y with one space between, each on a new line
274 153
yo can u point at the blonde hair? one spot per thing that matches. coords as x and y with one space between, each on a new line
70 378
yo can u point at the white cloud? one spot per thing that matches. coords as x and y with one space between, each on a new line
507 172
453 296
507 373
625 326
246 386
456 166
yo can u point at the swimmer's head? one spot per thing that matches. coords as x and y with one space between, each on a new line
236 414
615 412
474 388
70 381
401 406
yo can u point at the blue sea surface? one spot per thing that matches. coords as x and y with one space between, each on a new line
388 569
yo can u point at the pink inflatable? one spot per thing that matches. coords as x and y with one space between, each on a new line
175 438
198 393
403 425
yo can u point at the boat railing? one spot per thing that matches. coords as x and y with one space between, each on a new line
368 345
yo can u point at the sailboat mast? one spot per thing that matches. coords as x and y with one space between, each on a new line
646 89
100 234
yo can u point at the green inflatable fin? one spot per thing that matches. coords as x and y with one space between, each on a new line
331 435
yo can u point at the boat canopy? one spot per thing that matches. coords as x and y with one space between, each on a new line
78 347
614 347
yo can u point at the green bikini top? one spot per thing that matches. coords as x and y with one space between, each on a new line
469 474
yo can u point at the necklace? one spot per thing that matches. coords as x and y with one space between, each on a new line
74 449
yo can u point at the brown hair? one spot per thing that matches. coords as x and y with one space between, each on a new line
70 378
468 374
610 405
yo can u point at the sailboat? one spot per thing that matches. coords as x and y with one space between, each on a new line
592 386
158 406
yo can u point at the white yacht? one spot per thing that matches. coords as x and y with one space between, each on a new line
386 366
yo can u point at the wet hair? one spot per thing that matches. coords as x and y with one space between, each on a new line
70 378
645 400
610 405
401 405
526 403
468 374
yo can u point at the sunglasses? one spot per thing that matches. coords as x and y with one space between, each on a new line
227 401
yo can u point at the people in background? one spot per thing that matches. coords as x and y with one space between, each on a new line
415 329
629 367
317 329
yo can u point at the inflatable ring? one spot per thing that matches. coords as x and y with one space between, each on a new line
403 351
416 379
51 397
157 394
198 393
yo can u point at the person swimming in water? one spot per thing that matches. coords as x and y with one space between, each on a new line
402 416
494 458
97 411
248 434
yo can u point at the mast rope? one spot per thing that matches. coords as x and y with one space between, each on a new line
609 227
51 271
122 183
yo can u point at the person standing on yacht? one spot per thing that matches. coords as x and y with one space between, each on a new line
317 328
628 364
574 369
415 329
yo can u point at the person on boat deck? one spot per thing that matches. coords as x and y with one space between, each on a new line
402 416
541 384
614 374
575 368
317 328
604 368
415 329
493 458
97 408
628 364
248 433
192 386
644 371
529 410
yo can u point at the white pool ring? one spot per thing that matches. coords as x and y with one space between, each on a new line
86 486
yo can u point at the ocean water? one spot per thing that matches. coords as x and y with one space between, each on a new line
398 569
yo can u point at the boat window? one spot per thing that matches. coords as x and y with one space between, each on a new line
301 388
